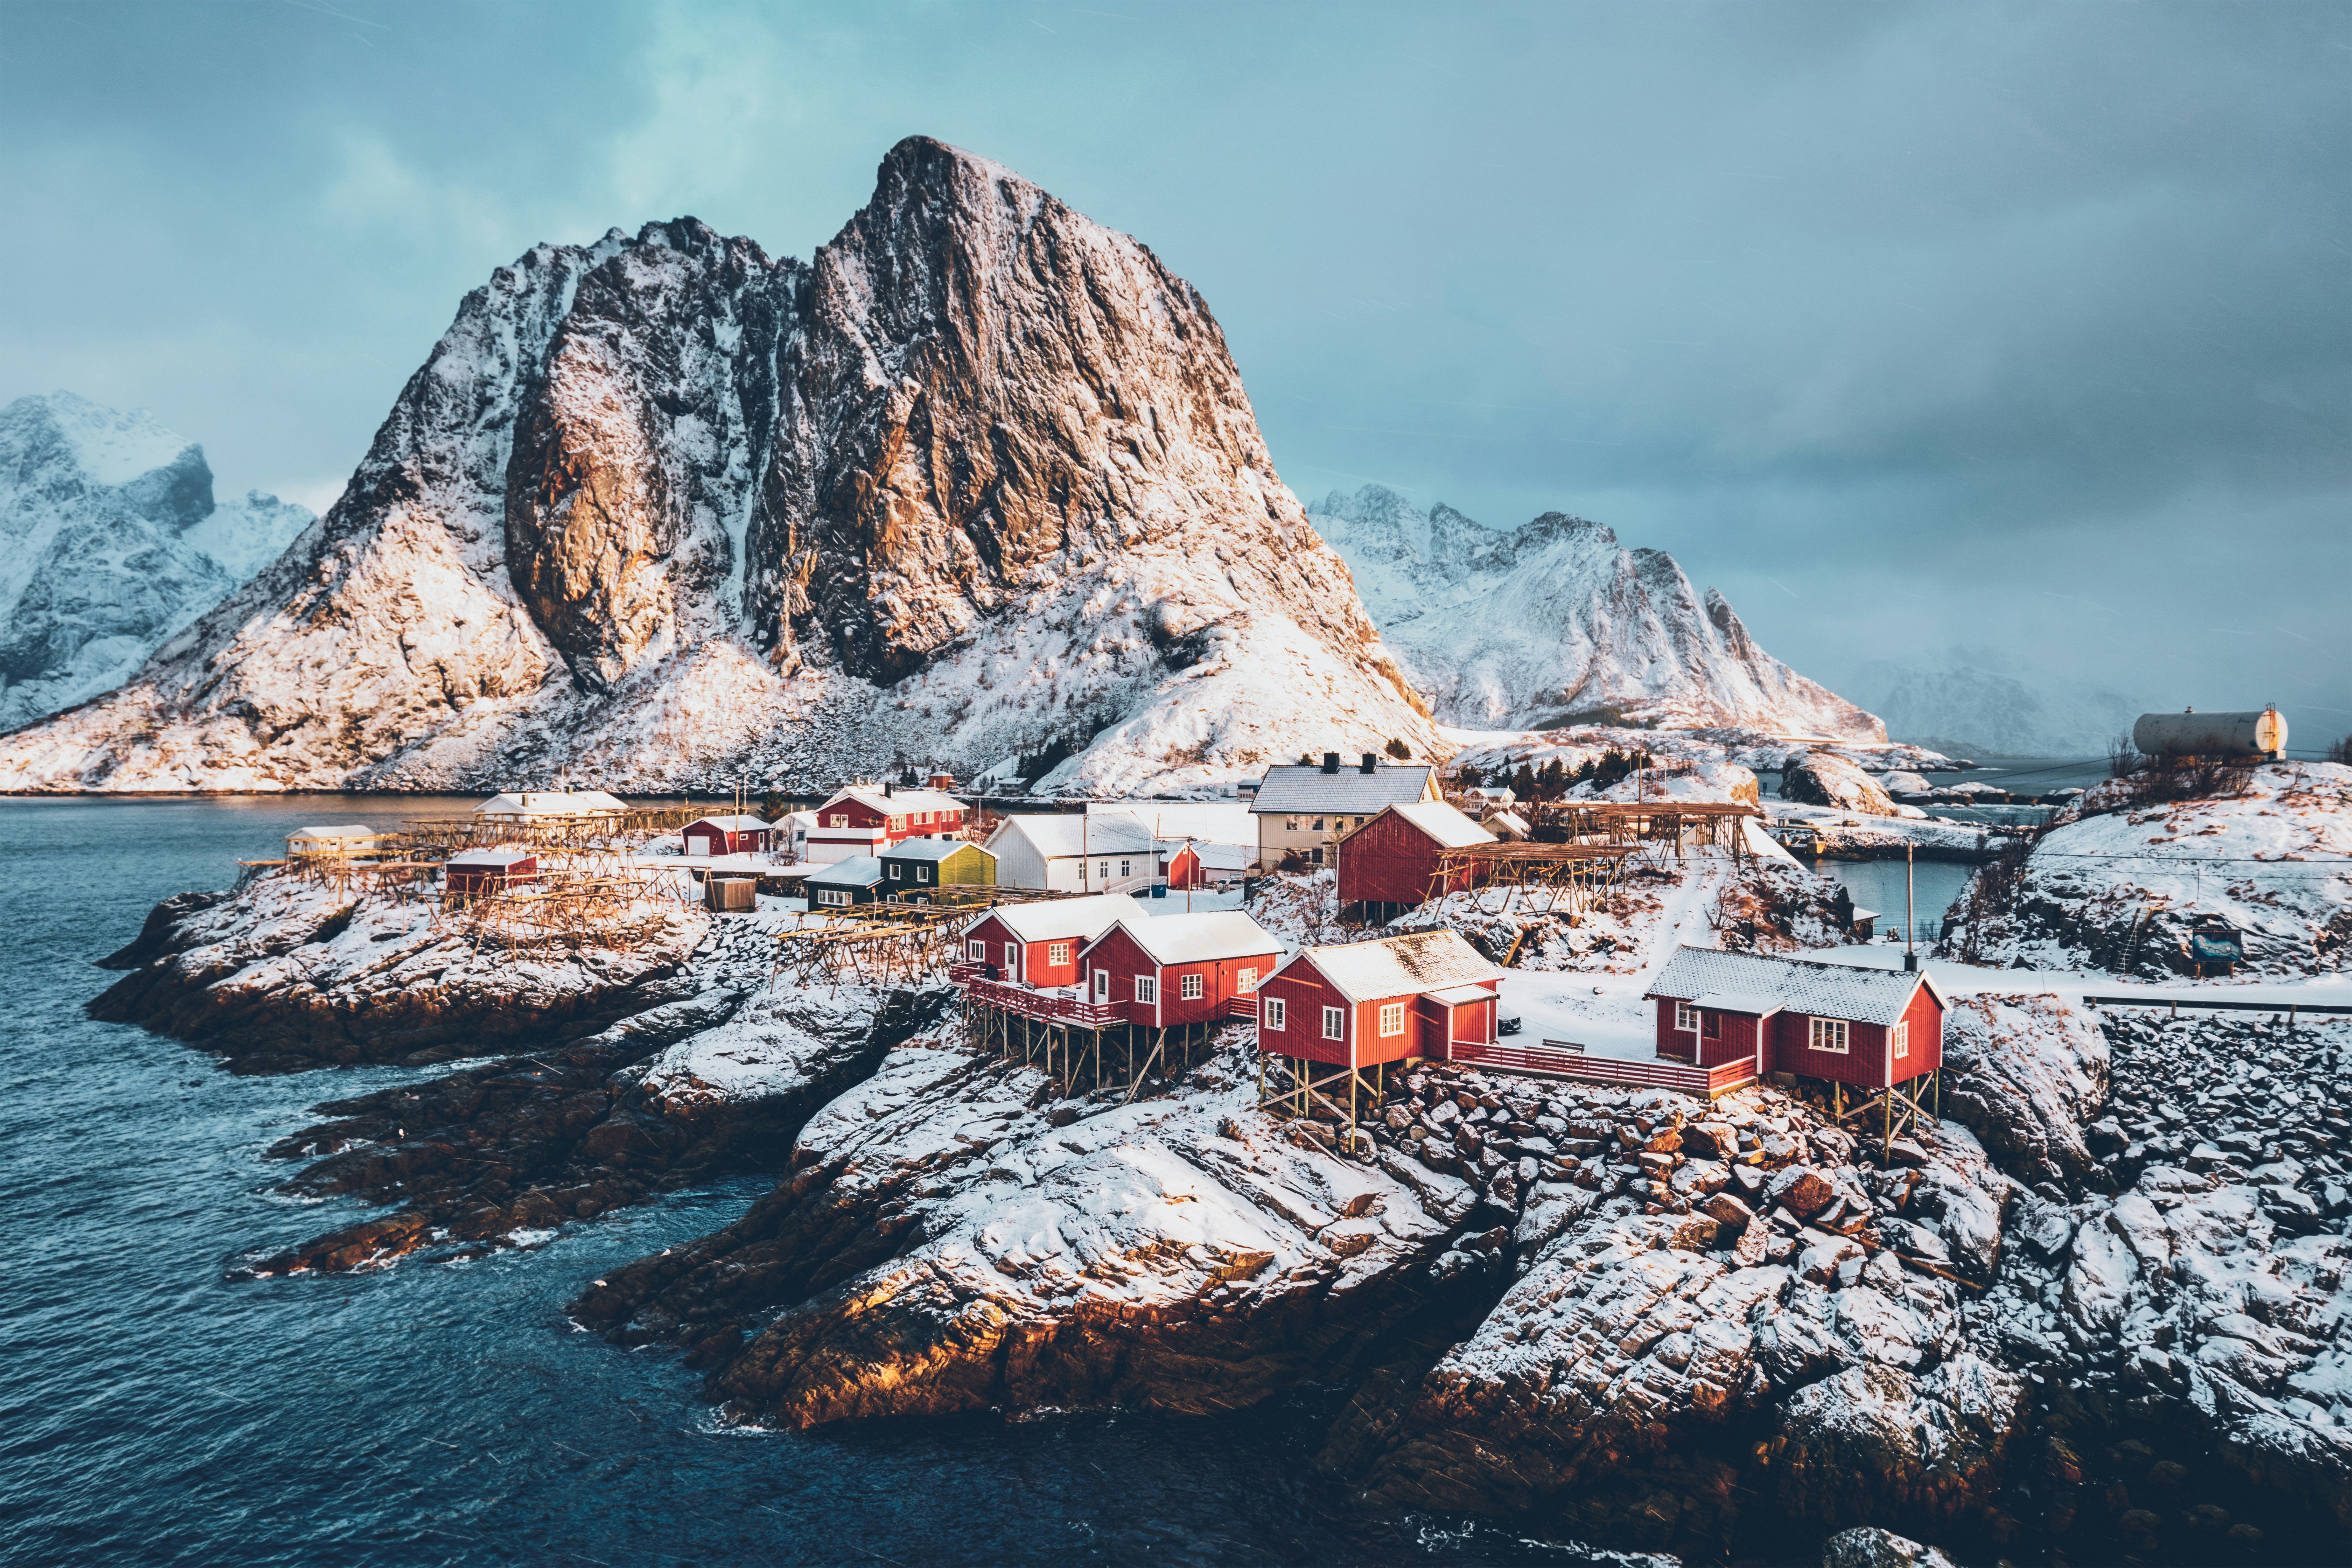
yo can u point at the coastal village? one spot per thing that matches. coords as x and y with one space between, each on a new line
1703 1159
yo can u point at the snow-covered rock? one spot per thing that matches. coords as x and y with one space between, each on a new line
979 480
1533 629
2121 880
1823 778
2026 1074
109 542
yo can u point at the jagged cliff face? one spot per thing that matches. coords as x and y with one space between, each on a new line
1524 630
109 542
978 482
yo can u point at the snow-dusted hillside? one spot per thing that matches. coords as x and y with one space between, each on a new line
978 481
1532 629
109 542
1976 702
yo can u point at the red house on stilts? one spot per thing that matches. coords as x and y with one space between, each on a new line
1392 862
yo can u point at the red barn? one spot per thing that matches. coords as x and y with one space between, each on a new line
1178 969
473 871
1364 1002
1038 945
866 819
728 835
1839 1023
1392 861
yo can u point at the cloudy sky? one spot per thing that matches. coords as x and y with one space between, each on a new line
2027 328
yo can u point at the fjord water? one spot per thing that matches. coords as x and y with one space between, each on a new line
154 1412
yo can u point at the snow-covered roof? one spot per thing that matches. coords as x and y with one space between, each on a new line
1799 984
551 802
337 833
1456 996
1057 920
1199 939
1297 787
933 849
1753 1002
730 823
1506 824
1441 821
489 858
802 820
858 872
1397 965
895 802
1217 821
1066 835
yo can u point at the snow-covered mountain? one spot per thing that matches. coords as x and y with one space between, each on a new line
1976 702
110 542
977 482
1556 622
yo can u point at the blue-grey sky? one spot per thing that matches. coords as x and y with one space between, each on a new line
1904 325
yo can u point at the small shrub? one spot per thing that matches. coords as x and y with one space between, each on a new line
1399 750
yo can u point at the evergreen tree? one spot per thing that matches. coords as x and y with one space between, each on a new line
772 806
1523 782
1467 778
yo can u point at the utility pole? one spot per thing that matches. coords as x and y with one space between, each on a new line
1910 912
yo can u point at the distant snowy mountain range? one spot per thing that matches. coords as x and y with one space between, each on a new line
110 542
1557 623
1976 702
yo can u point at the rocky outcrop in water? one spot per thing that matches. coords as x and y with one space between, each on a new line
1824 778
977 483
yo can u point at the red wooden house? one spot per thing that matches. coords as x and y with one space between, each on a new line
1393 860
1364 1002
1038 945
1178 969
1839 1023
473 871
866 819
728 835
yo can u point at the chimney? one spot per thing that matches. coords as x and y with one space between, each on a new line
1371 762
1330 762
888 788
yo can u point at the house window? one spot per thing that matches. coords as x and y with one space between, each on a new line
1188 988
1360 822
922 873
831 896
1319 825
1126 867
1245 982
1899 1038
894 871
1686 1018
1271 1012
1147 988
897 824
837 822
1828 1035
976 949
1392 1018
1318 854
1057 954
1102 870
1335 1024
1290 824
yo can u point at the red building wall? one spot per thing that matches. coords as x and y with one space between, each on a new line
1305 994
1119 952
862 816
1184 869
489 878
1035 967
1390 861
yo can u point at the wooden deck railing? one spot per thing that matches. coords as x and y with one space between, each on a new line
1058 1007
1561 1057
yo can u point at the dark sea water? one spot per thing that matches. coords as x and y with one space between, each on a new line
151 1412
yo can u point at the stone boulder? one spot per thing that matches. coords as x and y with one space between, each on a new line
1823 778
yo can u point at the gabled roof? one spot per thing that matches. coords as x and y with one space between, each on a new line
1397 965
489 858
894 803
1068 836
1058 919
551 802
1817 990
858 872
339 833
1439 821
1198 939
731 824
1296 787
932 849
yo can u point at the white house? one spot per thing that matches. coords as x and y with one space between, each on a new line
1065 852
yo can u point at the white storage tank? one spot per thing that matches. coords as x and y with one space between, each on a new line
2190 733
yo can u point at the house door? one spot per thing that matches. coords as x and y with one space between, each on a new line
1102 986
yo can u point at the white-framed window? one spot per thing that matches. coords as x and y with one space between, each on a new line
1686 1018
1126 867
1290 824
1318 854
894 870
1270 1013
1245 982
1392 1018
976 949
1147 988
1828 1035
1102 870
1335 1024
922 873
831 896
1188 988
1319 825
1898 1039
897 824
1057 954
